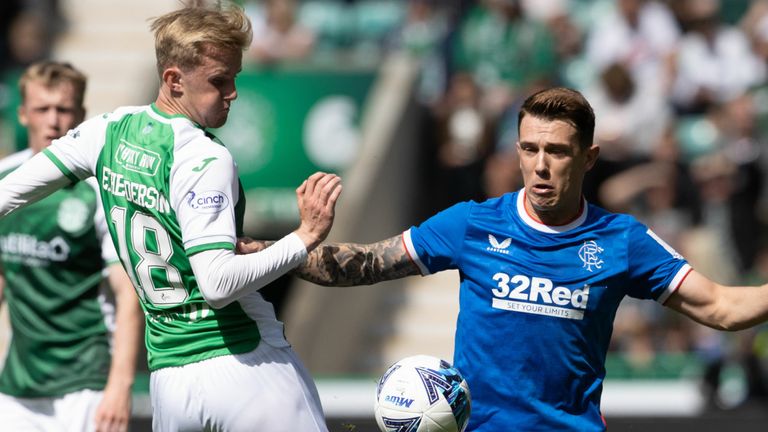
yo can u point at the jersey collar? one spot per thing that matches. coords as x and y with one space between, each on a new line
550 229
162 115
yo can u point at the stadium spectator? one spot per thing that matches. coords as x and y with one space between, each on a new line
27 30
741 143
639 34
542 275
59 374
277 37
464 139
754 24
715 61
423 36
506 52
557 16
630 124
630 121
30 34
174 206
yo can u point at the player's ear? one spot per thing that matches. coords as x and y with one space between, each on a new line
21 112
592 154
172 79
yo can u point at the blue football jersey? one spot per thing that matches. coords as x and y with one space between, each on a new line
537 305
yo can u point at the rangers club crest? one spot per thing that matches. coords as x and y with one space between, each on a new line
588 253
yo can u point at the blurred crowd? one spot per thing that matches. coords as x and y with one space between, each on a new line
28 29
680 91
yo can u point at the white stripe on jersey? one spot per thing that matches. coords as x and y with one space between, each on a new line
675 283
412 252
664 244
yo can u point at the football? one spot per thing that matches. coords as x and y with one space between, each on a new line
422 394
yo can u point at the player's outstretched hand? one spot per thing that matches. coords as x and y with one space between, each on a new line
317 202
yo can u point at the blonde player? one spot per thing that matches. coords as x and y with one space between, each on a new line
174 207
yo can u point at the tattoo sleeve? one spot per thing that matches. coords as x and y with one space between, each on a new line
347 264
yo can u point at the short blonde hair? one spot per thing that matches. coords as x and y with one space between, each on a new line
183 36
52 74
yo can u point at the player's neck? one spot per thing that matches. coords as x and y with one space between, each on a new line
166 105
170 105
555 217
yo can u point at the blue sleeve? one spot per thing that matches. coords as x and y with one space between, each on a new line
655 269
435 245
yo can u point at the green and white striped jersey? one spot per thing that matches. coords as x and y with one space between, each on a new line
169 190
53 253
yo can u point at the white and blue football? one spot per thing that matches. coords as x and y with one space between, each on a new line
422 394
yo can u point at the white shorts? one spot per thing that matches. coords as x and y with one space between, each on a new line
267 389
73 412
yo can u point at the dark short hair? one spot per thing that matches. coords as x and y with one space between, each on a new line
561 103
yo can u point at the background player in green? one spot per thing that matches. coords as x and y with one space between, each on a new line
58 374
174 207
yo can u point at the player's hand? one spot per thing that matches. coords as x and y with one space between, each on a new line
317 202
114 411
247 245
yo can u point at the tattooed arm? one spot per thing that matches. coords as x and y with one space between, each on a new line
348 264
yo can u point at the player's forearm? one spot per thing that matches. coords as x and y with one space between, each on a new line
114 409
349 264
742 307
126 339
32 181
224 277
720 307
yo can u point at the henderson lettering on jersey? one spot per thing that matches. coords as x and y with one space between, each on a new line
539 296
146 196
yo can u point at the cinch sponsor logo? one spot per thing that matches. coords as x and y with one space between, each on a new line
25 247
398 401
539 296
497 246
207 202
137 159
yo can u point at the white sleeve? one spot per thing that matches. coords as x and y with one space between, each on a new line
32 181
67 160
204 192
224 277
77 152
